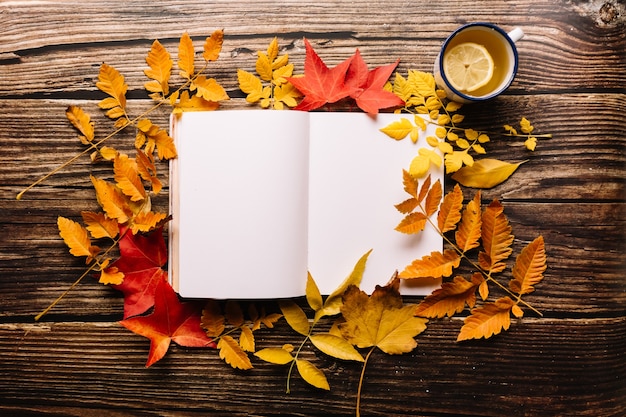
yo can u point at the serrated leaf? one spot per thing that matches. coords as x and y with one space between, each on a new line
435 265
263 66
147 221
194 103
398 129
272 49
112 201
296 318
312 375
450 210
160 69
232 353
99 225
485 173
246 339
336 347
529 267
278 356
76 238
213 46
412 223
82 122
186 56
487 320
208 89
407 205
469 232
448 300
147 170
433 199
111 82
212 320
313 295
111 276
496 238
233 313
127 177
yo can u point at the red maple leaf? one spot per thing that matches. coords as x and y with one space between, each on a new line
320 85
170 321
367 87
141 260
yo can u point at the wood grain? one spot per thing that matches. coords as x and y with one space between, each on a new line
80 362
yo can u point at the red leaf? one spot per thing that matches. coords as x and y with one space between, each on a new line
368 91
141 260
320 85
170 321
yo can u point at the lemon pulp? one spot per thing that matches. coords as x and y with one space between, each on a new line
468 66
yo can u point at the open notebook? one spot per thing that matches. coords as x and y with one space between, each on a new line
260 197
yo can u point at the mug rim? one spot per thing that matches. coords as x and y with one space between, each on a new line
449 39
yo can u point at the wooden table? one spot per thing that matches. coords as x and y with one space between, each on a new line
79 361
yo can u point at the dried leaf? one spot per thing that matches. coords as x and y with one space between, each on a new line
448 300
186 57
485 173
194 103
111 276
412 223
147 221
433 199
212 320
313 295
112 201
296 318
111 82
232 353
469 232
336 347
147 170
496 238
487 320
246 339
213 46
312 375
450 210
127 177
82 122
99 225
278 356
208 89
76 238
160 70
233 313
529 267
435 265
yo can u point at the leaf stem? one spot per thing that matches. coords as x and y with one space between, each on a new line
361 378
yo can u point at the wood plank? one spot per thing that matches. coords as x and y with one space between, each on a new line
555 55
539 367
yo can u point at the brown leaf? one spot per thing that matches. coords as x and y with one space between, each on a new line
487 320
435 265
212 320
529 267
433 199
448 300
412 223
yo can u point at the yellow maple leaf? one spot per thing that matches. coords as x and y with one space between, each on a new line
435 265
82 122
160 64
380 320
76 238
127 177
186 56
529 267
100 226
487 320
213 46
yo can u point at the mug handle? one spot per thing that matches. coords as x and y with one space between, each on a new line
516 34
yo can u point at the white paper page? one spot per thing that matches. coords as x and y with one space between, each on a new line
239 201
355 180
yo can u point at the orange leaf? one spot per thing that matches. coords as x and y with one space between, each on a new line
497 238
99 225
212 320
76 238
213 45
450 210
423 191
194 103
147 170
156 137
488 320
469 231
111 275
449 299
145 222
186 56
407 206
208 89
160 69
410 183
433 199
112 201
127 177
81 121
111 82
412 223
529 267
435 265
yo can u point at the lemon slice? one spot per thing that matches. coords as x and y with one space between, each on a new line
468 66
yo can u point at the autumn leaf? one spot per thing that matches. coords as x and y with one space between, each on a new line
127 177
496 238
111 275
435 265
186 57
450 299
147 170
450 210
213 46
469 232
398 129
320 85
111 82
212 319
278 356
82 122
112 201
193 103
529 267
251 85
412 223
232 353
100 226
487 320
312 375
154 138
336 347
76 238
208 89
380 320
160 70
295 316
142 258
170 321
147 221
485 173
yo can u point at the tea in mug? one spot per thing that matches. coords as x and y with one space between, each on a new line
490 54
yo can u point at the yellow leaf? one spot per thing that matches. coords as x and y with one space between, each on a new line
462 143
435 265
312 375
287 94
246 339
441 132
419 122
145 222
264 67
112 201
529 267
111 82
280 74
272 49
208 89
147 170
419 166
488 320
232 353
76 238
313 295
423 82
108 153
526 126
99 225
485 173
160 70
156 138
127 177
454 161
380 320
469 231
453 106
479 149
249 84
517 311
111 276
233 313
186 57
412 223
411 184
456 118
336 347
450 210
213 46
194 103
212 320
448 300
471 134
530 143
496 238
443 120
399 129
510 129
295 316
278 356
82 122
407 205
483 290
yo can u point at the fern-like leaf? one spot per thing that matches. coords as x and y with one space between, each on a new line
449 299
435 265
496 237
450 210
469 231
529 267
487 320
